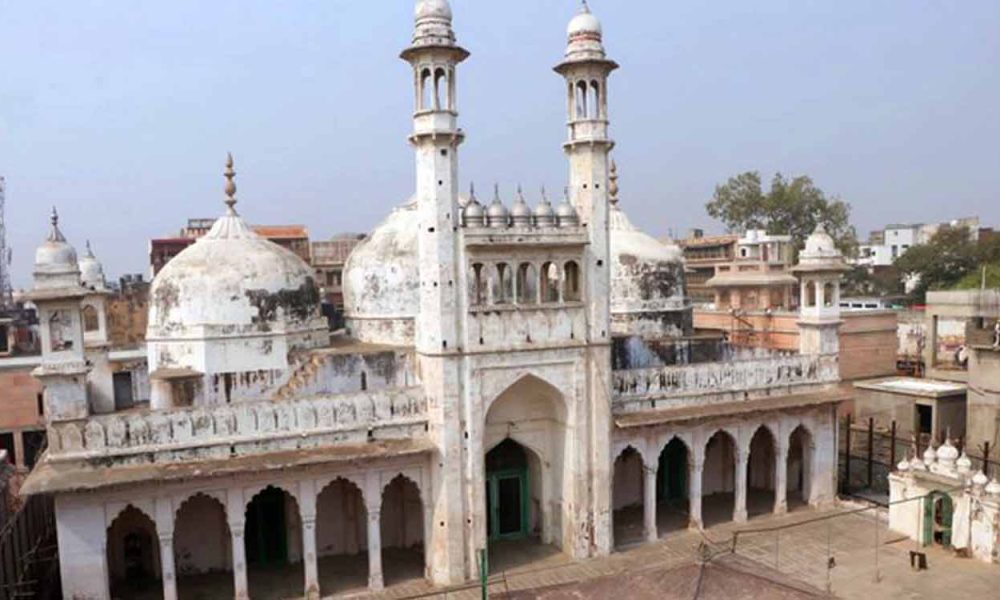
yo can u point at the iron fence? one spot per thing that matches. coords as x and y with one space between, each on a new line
29 558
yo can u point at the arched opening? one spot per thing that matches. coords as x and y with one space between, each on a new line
760 473
799 467
504 282
829 295
440 87
672 487
719 479
426 100
810 290
595 100
402 525
341 538
527 284
274 545
525 442
581 100
452 103
134 556
550 282
91 321
203 553
477 287
627 497
938 512
571 288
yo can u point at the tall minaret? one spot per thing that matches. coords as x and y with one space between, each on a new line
586 69
436 136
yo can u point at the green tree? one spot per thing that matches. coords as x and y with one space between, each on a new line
942 262
791 207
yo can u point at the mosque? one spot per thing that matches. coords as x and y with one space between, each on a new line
510 377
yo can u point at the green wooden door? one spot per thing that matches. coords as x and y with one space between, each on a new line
938 512
507 504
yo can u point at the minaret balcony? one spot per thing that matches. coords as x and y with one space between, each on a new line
588 130
435 122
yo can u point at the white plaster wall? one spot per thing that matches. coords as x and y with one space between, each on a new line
82 557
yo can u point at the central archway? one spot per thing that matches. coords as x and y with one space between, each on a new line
524 442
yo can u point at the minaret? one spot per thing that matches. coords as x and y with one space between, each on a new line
586 69
435 55
820 269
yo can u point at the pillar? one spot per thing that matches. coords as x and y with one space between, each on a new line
19 458
649 504
781 478
373 505
167 569
236 511
307 498
694 492
740 503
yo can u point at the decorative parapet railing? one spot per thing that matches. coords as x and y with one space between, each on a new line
241 429
706 383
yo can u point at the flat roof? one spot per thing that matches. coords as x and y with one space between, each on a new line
913 386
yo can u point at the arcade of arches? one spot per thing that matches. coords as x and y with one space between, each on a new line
667 481
313 537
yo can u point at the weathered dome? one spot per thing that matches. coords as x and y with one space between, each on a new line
381 280
520 212
584 23
566 214
439 9
545 215
91 271
497 214
230 285
473 214
56 263
647 278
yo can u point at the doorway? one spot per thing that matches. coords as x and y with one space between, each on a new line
266 531
507 492
938 511
122 382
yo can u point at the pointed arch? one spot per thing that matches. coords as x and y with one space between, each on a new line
719 477
402 530
133 553
761 477
341 535
799 467
273 538
202 540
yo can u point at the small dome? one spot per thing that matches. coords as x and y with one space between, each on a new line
566 214
545 215
917 465
947 452
820 244
993 488
56 263
497 214
930 456
903 466
91 271
432 9
520 212
963 464
584 23
979 479
473 214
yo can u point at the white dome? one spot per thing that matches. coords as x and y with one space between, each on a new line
233 280
980 479
947 452
91 271
381 280
583 23
930 455
437 9
56 263
993 487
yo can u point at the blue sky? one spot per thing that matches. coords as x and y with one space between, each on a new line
121 112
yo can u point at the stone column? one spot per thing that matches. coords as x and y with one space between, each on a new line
167 568
694 493
649 504
307 508
740 503
19 458
375 583
240 584
781 479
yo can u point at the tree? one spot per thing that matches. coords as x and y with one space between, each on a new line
881 282
942 262
789 208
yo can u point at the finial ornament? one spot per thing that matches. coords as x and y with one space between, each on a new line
472 191
545 197
90 252
584 7
54 234
230 185
613 187
496 192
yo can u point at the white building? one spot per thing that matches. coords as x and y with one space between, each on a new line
517 375
885 246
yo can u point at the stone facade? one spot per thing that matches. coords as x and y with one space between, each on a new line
473 398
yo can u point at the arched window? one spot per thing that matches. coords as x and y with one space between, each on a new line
581 100
829 293
91 322
504 291
571 282
595 100
477 289
440 87
451 89
571 100
527 284
550 282
810 290
425 90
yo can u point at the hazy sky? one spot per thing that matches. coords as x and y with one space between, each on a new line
121 112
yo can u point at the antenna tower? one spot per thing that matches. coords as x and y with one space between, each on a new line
6 301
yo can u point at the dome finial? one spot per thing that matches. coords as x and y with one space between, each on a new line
230 185
472 191
613 187
54 234
584 7
90 252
